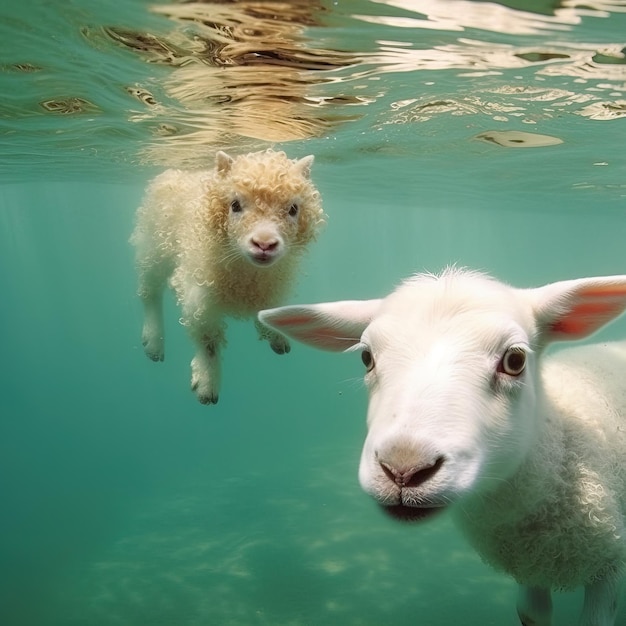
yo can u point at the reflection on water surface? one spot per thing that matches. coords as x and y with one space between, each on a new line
170 79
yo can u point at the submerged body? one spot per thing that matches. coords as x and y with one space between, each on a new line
466 413
228 242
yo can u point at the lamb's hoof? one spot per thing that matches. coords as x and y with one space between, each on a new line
156 357
204 398
282 347
154 353
208 399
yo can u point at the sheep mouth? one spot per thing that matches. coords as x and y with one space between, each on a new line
404 513
263 258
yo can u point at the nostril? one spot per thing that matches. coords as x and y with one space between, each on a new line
413 476
421 475
388 471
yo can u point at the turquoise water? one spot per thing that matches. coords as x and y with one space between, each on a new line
124 501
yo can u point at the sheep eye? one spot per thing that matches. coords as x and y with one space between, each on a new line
368 360
293 210
513 362
235 206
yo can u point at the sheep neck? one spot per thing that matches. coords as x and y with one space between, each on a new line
242 289
530 525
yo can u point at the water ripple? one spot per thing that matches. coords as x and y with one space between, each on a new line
167 84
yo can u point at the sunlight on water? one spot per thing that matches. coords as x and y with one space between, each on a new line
166 80
479 133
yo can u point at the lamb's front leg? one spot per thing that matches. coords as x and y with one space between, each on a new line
600 605
206 366
534 606
153 333
277 342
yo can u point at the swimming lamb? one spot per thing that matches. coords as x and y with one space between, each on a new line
228 241
466 414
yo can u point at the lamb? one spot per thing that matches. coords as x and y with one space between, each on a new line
228 241
528 452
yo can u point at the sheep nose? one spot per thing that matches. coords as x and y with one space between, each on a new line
268 245
412 475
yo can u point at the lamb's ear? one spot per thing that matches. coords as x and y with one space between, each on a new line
304 165
574 309
334 326
223 162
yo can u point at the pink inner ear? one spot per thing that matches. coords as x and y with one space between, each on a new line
596 306
605 291
292 320
323 338
585 318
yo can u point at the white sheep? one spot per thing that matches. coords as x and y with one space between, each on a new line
529 454
228 241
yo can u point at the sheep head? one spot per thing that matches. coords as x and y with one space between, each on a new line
263 205
452 370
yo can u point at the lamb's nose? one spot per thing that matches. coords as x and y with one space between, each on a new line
411 475
265 245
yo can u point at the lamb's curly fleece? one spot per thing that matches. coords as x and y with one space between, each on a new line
567 498
199 231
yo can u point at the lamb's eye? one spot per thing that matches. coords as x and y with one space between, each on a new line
513 362
235 206
368 360
293 210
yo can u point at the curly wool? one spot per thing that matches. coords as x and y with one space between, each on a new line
183 226
557 523
269 178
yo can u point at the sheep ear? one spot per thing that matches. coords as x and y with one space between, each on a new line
304 165
223 162
575 309
333 326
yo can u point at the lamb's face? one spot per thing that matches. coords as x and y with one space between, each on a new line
451 386
271 206
261 230
454 391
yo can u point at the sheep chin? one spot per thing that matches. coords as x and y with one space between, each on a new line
404 513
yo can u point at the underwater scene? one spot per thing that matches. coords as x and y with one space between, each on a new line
486 135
